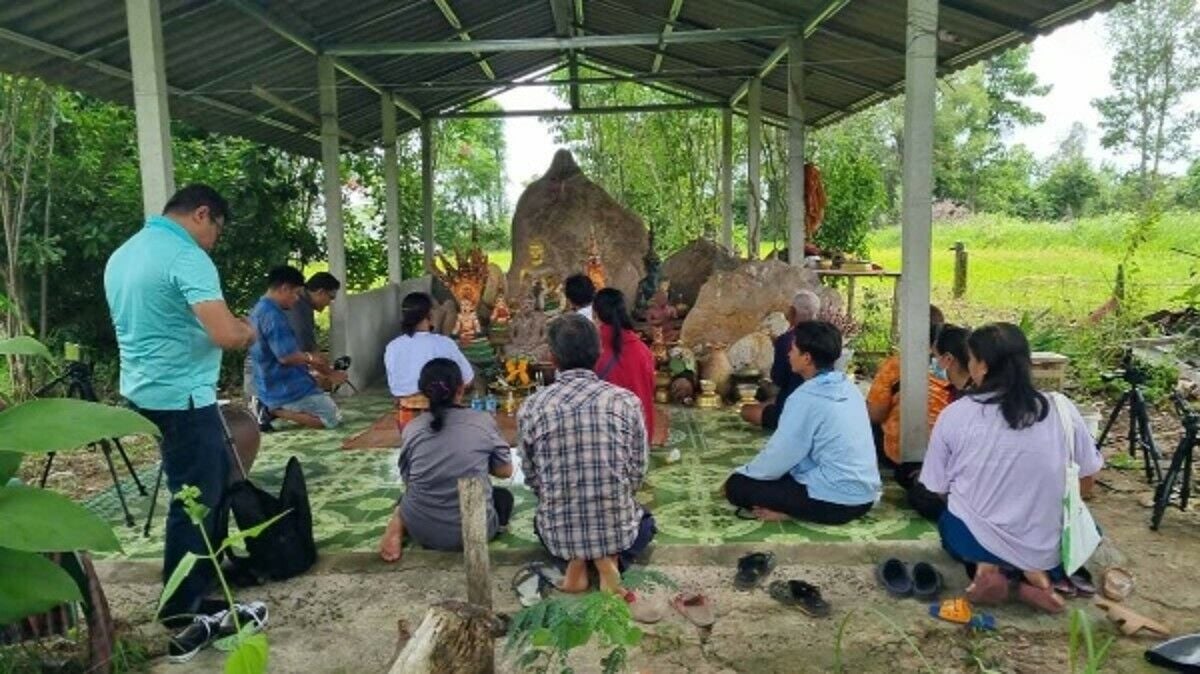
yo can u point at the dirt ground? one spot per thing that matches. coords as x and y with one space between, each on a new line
347 617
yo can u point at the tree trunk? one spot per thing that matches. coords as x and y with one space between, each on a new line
43 322
454 638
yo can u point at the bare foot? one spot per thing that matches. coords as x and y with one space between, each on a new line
982 569
391 547
768 515
610 574
575 580
1038 579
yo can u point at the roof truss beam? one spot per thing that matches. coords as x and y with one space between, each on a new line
827 12
564 21
560 43
1002 20
295 111
554 112
307 44
668 28
465 36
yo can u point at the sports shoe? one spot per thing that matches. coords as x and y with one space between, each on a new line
203 630
263 416
254 614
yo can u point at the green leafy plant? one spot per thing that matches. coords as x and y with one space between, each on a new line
1044 332
839 666
1082 643
543 635
248 650
39 521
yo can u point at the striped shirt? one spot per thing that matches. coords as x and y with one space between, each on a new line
584 451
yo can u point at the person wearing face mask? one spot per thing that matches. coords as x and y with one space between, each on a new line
883 400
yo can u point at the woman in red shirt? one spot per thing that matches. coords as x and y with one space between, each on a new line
624 360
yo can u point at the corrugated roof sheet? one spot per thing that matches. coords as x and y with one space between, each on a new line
217 53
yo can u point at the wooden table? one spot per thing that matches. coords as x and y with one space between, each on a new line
851 281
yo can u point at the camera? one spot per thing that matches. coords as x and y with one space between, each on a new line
1129 372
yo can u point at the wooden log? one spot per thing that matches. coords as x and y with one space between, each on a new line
454 638
472 503
960 269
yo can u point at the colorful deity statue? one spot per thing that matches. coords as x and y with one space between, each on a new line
539 279
500 313
467 326
649 283
467 276
592 266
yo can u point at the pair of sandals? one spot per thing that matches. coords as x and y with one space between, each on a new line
754 567
921 581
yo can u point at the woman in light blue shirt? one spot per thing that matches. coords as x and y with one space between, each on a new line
820 463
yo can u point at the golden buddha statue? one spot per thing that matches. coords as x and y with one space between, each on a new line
539 279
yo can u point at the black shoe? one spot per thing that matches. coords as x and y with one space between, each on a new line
254 615
263 416
202 632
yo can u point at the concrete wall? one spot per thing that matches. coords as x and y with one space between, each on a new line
374 321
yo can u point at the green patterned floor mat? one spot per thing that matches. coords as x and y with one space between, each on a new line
352 492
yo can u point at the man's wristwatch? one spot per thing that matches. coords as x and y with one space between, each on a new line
308 358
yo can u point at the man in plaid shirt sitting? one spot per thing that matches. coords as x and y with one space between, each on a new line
584 450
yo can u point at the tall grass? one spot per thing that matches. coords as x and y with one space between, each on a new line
1068 268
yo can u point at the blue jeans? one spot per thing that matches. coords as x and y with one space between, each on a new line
319 405
961 544
194 453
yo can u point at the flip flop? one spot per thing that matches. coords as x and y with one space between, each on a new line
640 608
695 607
1181 654
1039 598
1117 584
1083 584
802 595
988 589
534 581
926 581
959 611
752 568
1130 622
893 575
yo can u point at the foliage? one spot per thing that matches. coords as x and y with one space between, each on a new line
249 650
1070 183
38 521
853 183
643 578
543 635
1188 194
839 667
1155 65
470 188
1082 643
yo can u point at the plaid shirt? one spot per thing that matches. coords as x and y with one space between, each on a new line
584 451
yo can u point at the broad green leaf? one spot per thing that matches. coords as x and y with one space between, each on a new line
9 463
541 638
30 584
181 571
250 657
23 346
252 532
39 520
60 424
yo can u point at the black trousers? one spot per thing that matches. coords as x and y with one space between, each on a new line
502 501
927 504
785 495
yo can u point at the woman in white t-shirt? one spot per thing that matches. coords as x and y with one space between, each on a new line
416 346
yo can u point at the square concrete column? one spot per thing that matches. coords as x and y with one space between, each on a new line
795 179
391 196
427 192
335 232
920 82
150 103
727 179
754 167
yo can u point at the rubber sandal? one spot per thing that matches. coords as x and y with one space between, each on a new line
1065 587
1132 623
1039 598
926 581
752 568
695 607
1117 584
804 596
957 611
988 589
1082 583
640 608
527 585
745 514
893 575
1181 654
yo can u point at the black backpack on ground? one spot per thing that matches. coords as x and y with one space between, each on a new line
284 549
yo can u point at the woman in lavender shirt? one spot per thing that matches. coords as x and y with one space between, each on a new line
998 455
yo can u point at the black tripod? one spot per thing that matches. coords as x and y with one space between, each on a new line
78 380
1180 470
1139 420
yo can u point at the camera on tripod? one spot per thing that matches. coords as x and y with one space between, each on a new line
1130 373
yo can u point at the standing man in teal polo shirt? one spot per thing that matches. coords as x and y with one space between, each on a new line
172 323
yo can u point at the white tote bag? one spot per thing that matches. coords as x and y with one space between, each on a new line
1080 536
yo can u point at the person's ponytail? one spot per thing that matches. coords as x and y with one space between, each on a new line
439 383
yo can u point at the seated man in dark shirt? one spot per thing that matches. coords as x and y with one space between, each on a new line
318 293
805 306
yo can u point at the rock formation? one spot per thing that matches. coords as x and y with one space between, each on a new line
691 266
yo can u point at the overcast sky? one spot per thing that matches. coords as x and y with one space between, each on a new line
1074 60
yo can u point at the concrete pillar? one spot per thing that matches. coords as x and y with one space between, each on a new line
727 178
150 103
754 166
335 232
391 196
795 175
427 192
916 234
